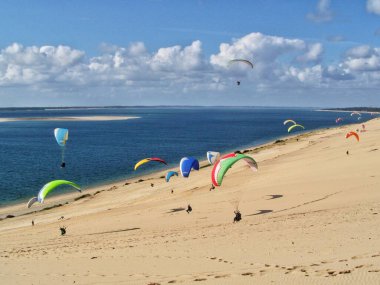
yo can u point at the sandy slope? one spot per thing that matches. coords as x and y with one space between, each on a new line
310 216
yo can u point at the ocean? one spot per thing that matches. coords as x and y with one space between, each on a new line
101 152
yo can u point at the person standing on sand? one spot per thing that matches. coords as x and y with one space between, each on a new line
237 217
189 209
212 187
347 152
63 230
32 222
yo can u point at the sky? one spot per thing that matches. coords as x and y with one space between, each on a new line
314 53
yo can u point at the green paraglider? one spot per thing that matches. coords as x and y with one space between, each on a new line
225 163
48 187
295 126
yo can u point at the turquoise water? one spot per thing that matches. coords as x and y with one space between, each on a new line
106 151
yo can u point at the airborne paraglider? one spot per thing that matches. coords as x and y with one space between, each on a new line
295 126
355 113
289 121
48 187
170 174
187 164
226 162
338 120
61 136
145 160
212 156
352 133
240 61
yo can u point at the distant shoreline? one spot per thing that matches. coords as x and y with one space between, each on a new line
84 118
348 111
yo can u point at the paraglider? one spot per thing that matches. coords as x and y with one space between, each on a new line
240 61
356 113
338 120
61 136
226 162
295 126
145 160
237 60
213 156
187 164
170 174
350 134
48 187
289 121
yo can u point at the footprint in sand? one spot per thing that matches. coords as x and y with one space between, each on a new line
200 279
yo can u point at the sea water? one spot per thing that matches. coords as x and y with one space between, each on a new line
100 152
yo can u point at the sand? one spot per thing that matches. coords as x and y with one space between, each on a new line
81 118
310 216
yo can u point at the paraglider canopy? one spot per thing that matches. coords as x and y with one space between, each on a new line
187 164
350 134
355 113
226 162
170 174
244 61
145 160
289 121
48 187
61 136
295 126
212 156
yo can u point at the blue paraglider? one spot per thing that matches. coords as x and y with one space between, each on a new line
61 136
170 174
187 164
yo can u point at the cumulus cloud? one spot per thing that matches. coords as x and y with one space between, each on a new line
256 46
279 63
28 65
314 53
373 6
337 73
363 58
323 12
177 58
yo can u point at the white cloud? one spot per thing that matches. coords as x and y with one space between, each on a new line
314 53
363 58
280 63
256 47
373 6
323 13
178 58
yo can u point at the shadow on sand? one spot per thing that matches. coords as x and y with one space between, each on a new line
275 196
261 212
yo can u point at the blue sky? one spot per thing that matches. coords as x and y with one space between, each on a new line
305 53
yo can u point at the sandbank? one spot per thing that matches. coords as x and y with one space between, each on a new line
79 118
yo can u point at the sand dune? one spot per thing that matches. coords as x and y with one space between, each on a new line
310 216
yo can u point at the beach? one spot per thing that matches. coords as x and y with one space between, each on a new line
310 215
